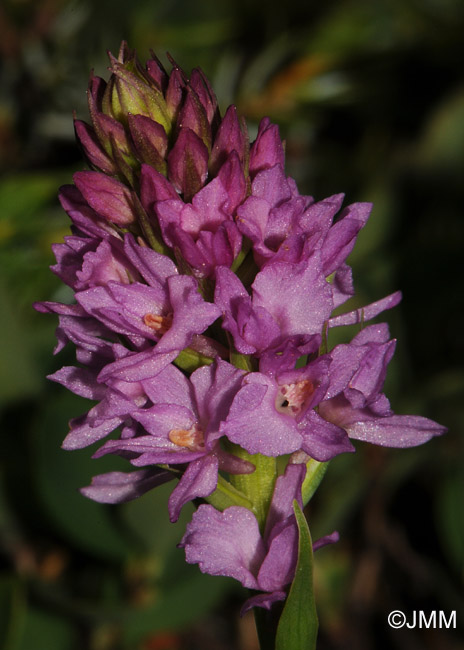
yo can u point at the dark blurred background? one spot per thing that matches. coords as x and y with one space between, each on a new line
369 95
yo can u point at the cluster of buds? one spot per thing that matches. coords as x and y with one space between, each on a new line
204 288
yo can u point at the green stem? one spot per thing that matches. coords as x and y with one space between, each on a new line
259 485
190 360
226 495
266 622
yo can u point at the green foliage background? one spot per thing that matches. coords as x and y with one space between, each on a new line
369 95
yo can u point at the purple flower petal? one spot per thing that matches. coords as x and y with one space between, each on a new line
107 196
82 434
215 387
395 430
225 543
188 163
287 489
153 267
199 480
120 487
333 538
267 150
81 381
254 423
323 440
263 600
368 312
278 567
229 137
308 297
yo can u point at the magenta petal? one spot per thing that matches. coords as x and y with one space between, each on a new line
376 333
342 235
278 567
171 386
225 543
119 487
199 480
215 387
107 196
82 434
159 420
333 538
137 367
395 430
188 163
342 285
82 215
200 84
254 423
308 297
272 185
230 137
267 150
192 314
263 600
233 300
233 179
367 312
362 363
287 489
92 149
193 116
257 328
81 381
323 440
150 140
368 380
345 359
154 187
152 266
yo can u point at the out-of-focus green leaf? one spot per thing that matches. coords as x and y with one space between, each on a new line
450 514
18 373
43 631
59 475
183 594
12 612
22 196
442 144
189 598
149 520
298 623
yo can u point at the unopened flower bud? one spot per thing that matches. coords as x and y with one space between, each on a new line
107 196
93 151
188 164
129 91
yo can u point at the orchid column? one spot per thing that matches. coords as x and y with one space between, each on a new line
204 288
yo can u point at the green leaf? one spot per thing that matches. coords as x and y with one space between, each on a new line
191 596
13 609
298 624
18 372
45 631
315 472
59 474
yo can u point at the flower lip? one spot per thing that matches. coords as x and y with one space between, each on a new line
192 438
157 323
293 398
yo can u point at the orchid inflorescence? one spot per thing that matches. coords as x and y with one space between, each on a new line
204 287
